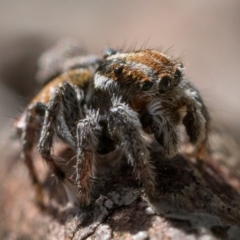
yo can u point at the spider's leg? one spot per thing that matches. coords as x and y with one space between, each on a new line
125 127
61 114
70 112
28 137
196 122
164 129
88 133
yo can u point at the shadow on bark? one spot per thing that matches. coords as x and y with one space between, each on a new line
193 198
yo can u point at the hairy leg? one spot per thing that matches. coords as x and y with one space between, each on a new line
125 127
61 116
70 111
88 133
28 139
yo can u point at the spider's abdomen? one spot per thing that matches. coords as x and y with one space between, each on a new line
81 78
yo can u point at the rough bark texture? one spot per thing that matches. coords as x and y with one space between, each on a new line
195 200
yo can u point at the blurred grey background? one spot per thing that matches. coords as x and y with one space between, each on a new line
204 33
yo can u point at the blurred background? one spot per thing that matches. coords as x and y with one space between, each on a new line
206 34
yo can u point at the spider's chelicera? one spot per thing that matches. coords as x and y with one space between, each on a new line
107 104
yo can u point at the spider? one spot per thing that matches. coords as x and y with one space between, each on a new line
98 111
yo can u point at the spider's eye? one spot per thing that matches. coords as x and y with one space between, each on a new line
164 84
147 85
108 52
177 77
118 70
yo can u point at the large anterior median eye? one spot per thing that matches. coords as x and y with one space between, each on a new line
147 85
164 84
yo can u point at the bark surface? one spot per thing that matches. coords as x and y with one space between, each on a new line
195 200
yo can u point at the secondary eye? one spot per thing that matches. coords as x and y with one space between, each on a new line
147 85
164 84
177 77
118 71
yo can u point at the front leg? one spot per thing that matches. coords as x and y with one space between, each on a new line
125 127
88 133
61 115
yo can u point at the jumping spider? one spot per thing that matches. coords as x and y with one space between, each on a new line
106 104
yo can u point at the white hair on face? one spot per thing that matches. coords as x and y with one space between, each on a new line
155 109
104 83
100 80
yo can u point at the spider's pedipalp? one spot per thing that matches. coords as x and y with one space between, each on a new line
196 120
88 132
124 126
165 131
